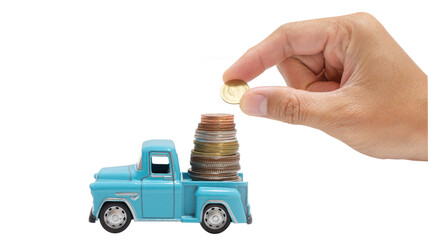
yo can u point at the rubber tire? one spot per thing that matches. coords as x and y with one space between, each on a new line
215 231
115 204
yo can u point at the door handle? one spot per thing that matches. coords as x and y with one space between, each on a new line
167 178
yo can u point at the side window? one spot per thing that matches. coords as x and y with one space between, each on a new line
160 163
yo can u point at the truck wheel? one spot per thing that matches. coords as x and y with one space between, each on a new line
115 217
215 218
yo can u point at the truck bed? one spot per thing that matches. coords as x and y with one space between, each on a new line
190 186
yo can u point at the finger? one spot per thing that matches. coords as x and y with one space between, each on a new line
293 105
323 86
307 74
332 73
292 39
298 74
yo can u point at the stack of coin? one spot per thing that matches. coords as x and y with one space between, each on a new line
215 156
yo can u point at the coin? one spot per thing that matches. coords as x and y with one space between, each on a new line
218 153
216 127
215 145
213 176
218 147
215 159
232 91
217 116
198 165
206 177
227 169
215 154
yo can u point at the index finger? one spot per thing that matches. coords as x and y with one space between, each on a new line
292 39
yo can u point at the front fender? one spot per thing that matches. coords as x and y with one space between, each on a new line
116 191
228 197
122 200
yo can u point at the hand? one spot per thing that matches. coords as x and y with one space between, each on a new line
347 77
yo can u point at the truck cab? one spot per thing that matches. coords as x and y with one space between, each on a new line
154 188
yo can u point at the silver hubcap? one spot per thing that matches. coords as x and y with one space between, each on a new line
215 218
115 217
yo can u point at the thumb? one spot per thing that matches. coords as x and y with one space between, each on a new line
314 109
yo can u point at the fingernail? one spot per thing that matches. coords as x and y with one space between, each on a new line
255 104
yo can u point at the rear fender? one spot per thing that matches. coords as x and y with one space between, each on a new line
230 198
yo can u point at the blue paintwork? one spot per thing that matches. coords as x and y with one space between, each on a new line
166 196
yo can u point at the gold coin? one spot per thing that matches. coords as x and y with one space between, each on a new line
232 91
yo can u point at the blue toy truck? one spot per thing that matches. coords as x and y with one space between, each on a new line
155 189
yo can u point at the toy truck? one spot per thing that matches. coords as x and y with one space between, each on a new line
155 189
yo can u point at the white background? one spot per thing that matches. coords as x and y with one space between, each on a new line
84 83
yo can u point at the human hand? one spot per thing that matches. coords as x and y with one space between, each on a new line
347 77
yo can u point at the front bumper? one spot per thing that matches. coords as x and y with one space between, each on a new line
91 217
249 219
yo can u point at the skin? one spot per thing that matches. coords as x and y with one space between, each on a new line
347 77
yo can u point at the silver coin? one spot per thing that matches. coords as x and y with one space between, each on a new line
234 164
213 173
196 176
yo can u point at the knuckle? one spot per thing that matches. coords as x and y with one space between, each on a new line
251 51
362 19
287 109
284 32
360 27
284 27
364 15
288 29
